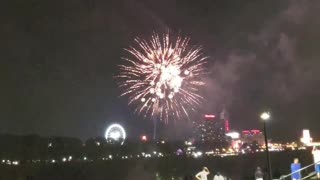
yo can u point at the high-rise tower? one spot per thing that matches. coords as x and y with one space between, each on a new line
210 131
224 116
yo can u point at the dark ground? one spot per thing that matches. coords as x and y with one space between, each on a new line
238 167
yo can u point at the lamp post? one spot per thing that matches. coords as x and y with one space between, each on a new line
265 116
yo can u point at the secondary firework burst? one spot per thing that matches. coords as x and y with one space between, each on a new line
162 77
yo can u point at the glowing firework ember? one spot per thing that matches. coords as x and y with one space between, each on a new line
163 76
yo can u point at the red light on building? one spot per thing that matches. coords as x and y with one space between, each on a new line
251 132
209 116
246 132
255 131
227 125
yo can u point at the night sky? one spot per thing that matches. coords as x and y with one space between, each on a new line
58 59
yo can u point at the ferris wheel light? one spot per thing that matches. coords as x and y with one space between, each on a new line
115 132
115 135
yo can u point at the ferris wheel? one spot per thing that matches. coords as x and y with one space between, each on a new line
115 132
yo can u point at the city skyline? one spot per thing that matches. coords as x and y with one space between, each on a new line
59 61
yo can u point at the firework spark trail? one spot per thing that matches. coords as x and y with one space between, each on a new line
163 77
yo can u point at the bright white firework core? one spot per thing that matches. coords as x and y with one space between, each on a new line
169 77
115 132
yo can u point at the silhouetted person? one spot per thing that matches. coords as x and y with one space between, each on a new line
258 174
218 176
316 158
203 175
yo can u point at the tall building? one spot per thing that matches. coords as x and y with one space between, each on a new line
210 130
225 117
306 137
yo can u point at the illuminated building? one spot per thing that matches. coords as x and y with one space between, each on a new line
227 125
233 135
225 117
210 131
235 139
209 116
250 136
306 138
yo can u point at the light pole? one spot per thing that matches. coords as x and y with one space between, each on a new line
157 108
265 116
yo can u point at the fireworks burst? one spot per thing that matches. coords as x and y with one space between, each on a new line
163 76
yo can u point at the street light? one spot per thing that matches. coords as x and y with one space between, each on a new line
265 116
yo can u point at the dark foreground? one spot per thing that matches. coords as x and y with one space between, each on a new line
236 167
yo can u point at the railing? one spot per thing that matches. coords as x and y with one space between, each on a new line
309 176
306 167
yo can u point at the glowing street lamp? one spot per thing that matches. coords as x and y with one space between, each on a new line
265 116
